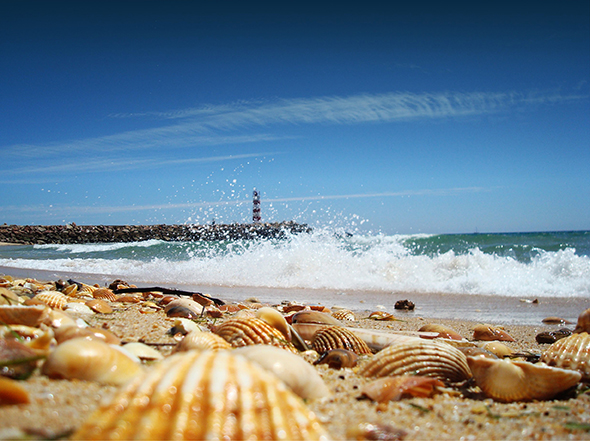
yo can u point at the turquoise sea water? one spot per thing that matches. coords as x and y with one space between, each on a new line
548 264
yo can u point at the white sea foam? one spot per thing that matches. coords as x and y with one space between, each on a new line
96 247
325 261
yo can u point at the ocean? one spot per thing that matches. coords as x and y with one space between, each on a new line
519 266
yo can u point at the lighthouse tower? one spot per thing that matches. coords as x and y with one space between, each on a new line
255 206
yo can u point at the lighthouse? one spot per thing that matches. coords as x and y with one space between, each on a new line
255 206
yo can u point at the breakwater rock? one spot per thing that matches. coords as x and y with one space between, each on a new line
72 233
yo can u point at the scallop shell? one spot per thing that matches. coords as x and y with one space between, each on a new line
395 388
572 352
245 331
509 381
104 294
583 324
202 341
203 395
337 337
32 315
338 359
430 358
297 373
91 360
344 314
86 289
489 333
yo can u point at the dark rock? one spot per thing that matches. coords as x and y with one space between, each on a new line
406 305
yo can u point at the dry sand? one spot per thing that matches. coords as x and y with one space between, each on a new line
59 406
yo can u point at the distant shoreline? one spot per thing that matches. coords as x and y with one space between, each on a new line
78 234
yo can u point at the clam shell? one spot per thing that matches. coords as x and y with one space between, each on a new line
245 331
203 395
91 360
202 341
64 333
32 315
430 358
489 333
344 314
442 331
394 388
508 381
572 352
583 324
293 370
104 294
142 351
497 348
314 317
337 337
184 308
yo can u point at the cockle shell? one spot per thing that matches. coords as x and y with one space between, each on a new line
509 381
86 289
203 395
442 331
297 373
489 333
202 341
430 358
245 331
572 352
583 324
275 319
337 337
395 388
32 315
104 294
338 359
344 314
91 360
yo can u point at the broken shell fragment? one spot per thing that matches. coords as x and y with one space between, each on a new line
509 381
489 333
571 352
395 388
429 358
203 395
297 373
338 359
91 360
245 331
337 337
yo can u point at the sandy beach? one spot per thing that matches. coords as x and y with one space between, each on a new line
59 407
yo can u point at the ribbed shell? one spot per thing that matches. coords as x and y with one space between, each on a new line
509 381
428 358
202 341
336 337
203 395
54 299
572 352
344 314
104 294
245 331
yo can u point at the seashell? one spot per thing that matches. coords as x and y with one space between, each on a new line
167 299
489 333
32 315
497 348
509 381
183 326
99 305
552 336
71 290
91 360
370 431
430 358
104 294
337 337
442 331
58 318
275 319
79 308
185 308
89 333
475 351
344 314
203 395
377 340
86 289
293 370
395 388
338 359
556 321
583 324
17 360
129 298
571 352
11 392
245 331
142 351
202 341
8 297
382 315
314 317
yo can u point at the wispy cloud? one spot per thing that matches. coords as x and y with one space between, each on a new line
230 123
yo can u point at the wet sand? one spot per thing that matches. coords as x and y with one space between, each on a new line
60 406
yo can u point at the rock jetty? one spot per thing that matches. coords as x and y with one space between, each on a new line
72 233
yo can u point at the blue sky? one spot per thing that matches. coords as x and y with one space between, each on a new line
435 117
